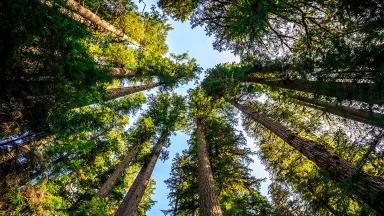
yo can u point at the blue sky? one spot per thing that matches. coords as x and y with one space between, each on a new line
199 46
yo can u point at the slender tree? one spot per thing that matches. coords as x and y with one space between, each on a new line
209 203
167 113
124 91
367 188
118 173
123 73
237 190
360 115
133 197
208 199
364 92
140 134
96 20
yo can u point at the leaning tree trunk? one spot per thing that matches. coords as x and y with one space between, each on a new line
208 201
124 91
368 188
363 116
118 173
123 73
364 92
36 141
96 20
28 143
132 199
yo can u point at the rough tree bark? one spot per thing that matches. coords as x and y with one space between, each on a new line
136 192
369 189
363 116
123 73
96 20
364 92
118 173
124 91
208 200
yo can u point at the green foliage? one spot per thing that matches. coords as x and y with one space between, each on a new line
181 10
55 72
238 190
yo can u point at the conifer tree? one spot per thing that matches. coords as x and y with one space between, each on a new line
208 199
167 111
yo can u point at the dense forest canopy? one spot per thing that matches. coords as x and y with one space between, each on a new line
79 135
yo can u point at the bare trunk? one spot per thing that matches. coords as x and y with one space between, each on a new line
123 73
136 192
124 91
96 20
364 92
368 188
363 116
10 149
118 173
209 203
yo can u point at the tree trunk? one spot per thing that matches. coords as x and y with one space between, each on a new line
368 188
209 203
123 73
364 92
10 149
363 116
118 173
136 192
124 91
96 20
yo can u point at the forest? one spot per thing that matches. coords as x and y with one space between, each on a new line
90 100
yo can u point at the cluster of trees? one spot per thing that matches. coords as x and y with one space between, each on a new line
70 82
309 87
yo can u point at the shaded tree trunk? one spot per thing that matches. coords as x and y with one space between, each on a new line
364 92
209 202
132 199
96 20
118 173
368 188
10 149
123 73
363 116
124 91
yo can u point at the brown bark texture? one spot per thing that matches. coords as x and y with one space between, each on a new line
208 200
118 173
132 199
124 91
364 92
369 189
123 73
96 20
363 116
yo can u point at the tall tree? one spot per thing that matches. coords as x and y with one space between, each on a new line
124 91
209 203
143 132
208 199
167 112
136 192
360 115
364 92
96 20
367 188
229 157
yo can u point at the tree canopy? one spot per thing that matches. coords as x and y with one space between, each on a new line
81 135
